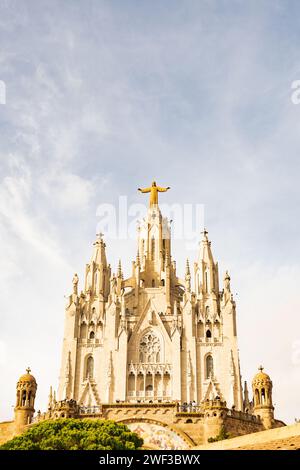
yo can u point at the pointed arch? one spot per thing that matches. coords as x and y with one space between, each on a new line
209 366
89 367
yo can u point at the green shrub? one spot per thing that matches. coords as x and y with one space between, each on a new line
76 434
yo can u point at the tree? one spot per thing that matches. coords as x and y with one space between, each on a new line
76 434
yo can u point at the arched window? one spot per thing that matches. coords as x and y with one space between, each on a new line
23 398
153 283
208 334
90 367
92 335
263 396
153 248
209 366
257 399
149 351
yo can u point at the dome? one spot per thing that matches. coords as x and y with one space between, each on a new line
261 377
27 377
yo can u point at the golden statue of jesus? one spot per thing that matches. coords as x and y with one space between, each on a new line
153 190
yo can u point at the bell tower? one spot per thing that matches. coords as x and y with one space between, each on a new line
262 398
24 409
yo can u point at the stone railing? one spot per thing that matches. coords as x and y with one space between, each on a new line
243 416
149 368
148 395
187 408
90 410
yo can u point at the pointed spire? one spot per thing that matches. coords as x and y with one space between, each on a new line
206 274
205 249
99 255
188 276
246 396
119 272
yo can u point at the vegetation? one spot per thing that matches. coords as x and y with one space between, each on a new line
76 434
223 434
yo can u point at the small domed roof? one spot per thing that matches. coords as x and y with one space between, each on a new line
261 376
27 377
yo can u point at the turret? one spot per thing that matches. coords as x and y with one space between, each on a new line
24 409
262 398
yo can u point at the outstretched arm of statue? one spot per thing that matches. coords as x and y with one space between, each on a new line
144 190
162 190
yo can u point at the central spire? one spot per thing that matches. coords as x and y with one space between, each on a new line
153 190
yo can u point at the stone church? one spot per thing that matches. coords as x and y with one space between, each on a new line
152 351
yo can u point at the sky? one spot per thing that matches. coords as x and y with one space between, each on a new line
102 97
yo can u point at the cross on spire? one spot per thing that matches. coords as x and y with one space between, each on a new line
205 233
261 368
99 238
28 370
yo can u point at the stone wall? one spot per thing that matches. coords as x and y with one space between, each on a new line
7 431
255 439
239 427
192 428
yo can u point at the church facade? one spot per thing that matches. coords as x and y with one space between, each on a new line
157 350
150 336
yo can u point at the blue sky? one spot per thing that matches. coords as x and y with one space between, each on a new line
104 96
